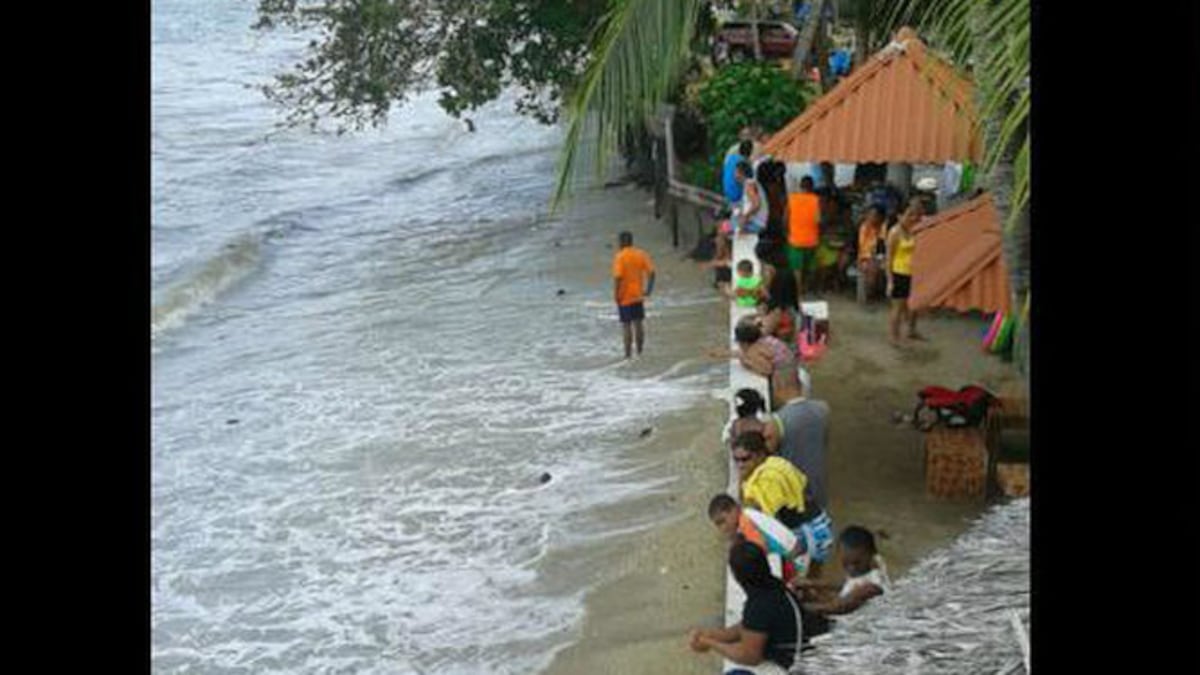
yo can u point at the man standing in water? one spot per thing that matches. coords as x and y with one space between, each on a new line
632 269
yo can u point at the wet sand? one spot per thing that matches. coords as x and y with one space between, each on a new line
638 615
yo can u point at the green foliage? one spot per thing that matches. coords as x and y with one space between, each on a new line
703 172
368 55
743 94
637 55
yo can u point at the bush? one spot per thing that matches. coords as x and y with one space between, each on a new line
743 94
702 172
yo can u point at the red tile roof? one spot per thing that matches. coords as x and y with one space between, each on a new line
904 105
957 262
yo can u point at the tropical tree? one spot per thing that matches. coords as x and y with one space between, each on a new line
636 59
364 56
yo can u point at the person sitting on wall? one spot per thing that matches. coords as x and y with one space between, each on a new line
756 350
773 537
866 577
774 626
768 482
782 299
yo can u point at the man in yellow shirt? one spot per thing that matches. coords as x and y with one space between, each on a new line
632 270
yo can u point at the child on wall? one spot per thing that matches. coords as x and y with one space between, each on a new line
748 286
866 577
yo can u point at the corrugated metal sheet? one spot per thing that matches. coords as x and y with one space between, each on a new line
957 262
904 105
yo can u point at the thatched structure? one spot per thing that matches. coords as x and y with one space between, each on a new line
964 609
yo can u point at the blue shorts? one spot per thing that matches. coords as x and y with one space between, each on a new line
634 312
817 535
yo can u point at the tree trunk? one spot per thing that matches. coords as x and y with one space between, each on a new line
1000 182
800 56
754 28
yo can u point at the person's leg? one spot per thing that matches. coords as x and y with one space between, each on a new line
640 334
894 312
912 324
628 333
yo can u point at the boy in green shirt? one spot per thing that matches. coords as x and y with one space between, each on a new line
748 286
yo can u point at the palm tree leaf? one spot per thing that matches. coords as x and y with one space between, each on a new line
636 56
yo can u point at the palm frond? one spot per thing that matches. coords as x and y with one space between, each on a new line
636 56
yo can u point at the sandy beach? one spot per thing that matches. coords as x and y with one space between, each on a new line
661 582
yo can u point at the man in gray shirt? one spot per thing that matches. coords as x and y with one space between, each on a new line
804 427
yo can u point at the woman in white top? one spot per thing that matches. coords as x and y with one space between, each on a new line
866 576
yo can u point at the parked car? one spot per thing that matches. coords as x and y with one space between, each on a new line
735 40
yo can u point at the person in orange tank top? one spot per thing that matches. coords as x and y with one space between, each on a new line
632 270
803 232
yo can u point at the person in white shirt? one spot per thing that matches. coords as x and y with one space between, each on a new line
866 576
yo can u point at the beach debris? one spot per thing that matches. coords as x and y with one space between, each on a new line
947 615
561 292
686 587
662 570
646 432
557 243
544 478
470 125
232 420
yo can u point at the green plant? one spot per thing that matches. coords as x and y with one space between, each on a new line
703 172
743 94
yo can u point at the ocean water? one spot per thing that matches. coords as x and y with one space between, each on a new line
360 368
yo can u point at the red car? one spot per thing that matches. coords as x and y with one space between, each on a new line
735 40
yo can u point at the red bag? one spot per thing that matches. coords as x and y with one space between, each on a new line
966 407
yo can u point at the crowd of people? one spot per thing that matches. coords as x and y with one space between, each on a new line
781 509
780 512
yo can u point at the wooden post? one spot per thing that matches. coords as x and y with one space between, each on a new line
674 222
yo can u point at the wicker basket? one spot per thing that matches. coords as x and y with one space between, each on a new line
956 463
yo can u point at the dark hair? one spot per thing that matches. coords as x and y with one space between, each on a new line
745 264
746 169
748 402
858 537
751 441
749 565
625 238
766 250
745 148
721 503
878 208
747 332
806 183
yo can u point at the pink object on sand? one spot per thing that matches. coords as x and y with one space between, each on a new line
811 351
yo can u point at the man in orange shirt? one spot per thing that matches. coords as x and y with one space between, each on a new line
803 233
631 268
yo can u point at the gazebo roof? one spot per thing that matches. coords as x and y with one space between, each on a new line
957 262
904 105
